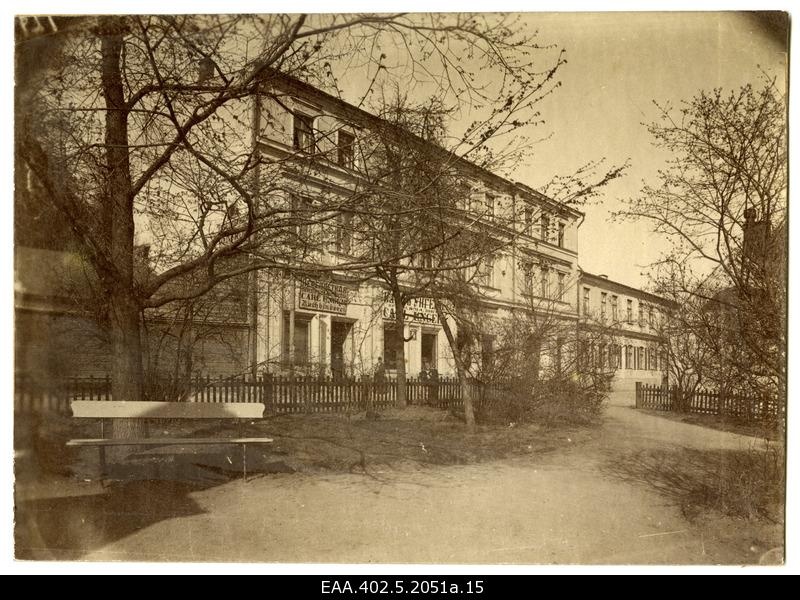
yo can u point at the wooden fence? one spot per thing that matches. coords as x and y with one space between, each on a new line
749 408
280 394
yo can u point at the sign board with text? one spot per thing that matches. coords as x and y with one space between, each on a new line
323 296
417 310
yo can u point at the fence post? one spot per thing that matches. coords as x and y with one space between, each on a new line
638 394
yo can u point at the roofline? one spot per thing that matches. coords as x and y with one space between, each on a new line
361 114
650 295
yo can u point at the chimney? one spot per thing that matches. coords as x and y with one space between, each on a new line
205 69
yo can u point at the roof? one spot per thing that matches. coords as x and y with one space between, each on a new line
357 114
605 281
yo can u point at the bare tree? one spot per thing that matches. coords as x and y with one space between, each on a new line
132 117
722 203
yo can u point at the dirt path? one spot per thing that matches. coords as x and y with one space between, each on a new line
567 507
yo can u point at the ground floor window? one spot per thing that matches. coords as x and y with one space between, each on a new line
301 338
428 343
392 344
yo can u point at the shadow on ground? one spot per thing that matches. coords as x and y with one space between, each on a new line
724 492
65 508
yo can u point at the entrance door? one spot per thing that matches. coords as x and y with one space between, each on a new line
339 332
428 350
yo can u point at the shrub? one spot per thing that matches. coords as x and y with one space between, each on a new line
551 402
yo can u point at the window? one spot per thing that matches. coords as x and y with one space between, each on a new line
561 228
603 298
301 339
585 301
304 133
650 321
487 352
562 279
485 274
614 309
392 343
545 281
302 217
641 314
528 219
630 311
559 345
345 150
490 202
527 275
344 232
545 232
629 357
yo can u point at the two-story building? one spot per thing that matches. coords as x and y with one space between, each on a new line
633 319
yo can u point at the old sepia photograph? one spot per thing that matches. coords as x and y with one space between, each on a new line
400 288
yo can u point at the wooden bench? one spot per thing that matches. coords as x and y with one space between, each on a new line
240 411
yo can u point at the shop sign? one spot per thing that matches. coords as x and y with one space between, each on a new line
417 310
323 296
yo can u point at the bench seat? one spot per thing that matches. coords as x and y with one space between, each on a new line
166 441
178 411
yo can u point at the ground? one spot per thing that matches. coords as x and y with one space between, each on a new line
410 488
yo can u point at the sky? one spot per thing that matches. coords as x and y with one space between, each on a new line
618 64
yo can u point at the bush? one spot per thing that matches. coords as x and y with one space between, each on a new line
551 402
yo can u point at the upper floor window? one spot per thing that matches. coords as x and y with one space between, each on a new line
528 215
344 232
603 298
650 320
490 205
527 274
345 150
562 278
545 232
614 310
630 311
561 229
585 301
303 138
641 314
485 273
545 282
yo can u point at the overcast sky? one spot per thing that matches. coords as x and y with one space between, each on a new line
617 64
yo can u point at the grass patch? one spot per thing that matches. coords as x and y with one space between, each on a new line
742 484
721 423
414 437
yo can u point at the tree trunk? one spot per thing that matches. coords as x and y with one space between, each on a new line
400 351
461 369
124 309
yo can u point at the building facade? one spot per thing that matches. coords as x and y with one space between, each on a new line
634 321
314 154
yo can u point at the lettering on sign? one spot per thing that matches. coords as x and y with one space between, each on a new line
323 296
417 310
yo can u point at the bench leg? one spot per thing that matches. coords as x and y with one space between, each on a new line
102 463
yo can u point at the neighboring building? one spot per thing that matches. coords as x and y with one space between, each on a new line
59 331
633 321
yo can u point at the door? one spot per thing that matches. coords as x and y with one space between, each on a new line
339 332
